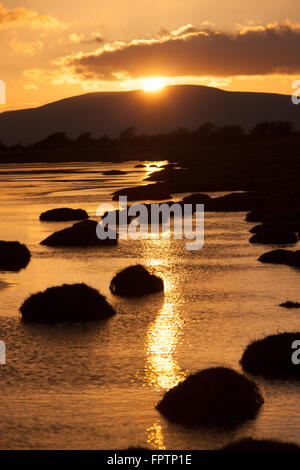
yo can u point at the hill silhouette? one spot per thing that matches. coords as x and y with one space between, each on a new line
178 106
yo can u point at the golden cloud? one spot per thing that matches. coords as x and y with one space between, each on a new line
19 17
250 50
27 48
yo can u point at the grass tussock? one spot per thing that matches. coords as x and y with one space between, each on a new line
288 257
13 256
260 444
275 236
135 281
63 214
66 303
290 304
82 234
114 173
213 397
271 357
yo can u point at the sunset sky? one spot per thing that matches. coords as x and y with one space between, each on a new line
52 49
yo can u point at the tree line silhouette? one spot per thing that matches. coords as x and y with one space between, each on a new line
208 141
206 133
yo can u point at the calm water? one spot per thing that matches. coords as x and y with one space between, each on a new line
96 386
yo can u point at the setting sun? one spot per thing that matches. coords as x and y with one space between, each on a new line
149 174
153 84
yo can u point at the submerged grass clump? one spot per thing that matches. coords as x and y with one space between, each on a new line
114 173
135 281
66 303
213 397
276 257
13 256
271 357
63 215
151 192
275 236
288 257
260 444
290 304
82 234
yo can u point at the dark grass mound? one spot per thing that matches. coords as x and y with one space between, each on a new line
63 215
274 225
151 192
260 444
118 217
154 216
276 257
82 234
295 259
114 173
13 256
135 281
214 397
275 236
290 258
195 199
290 304
67 303
271 357
268 214
164 175
236 202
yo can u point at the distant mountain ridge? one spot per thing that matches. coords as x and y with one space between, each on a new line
177 106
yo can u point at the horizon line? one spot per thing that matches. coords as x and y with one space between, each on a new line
175 85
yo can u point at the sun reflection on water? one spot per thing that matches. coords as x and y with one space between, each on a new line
162 369
153 167
155 436
164 334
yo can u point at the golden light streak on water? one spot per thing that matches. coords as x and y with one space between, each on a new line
162 370
153 167
155 436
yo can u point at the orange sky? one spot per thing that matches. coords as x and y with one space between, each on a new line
53 49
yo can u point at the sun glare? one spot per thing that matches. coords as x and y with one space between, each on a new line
153 84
